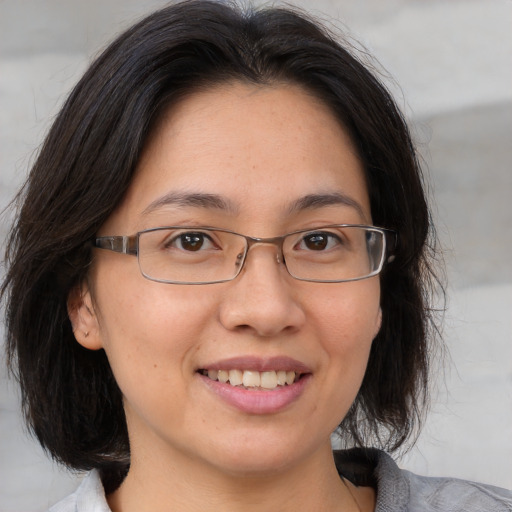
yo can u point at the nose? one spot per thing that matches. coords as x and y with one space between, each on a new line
263 299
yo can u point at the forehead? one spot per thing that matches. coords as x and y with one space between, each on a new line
258 147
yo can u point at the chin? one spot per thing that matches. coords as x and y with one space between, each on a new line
262 455
247 466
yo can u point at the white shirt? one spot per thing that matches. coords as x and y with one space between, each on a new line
397 490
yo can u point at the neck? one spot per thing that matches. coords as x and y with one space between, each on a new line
187 485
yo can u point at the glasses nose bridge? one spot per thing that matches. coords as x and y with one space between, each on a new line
277 241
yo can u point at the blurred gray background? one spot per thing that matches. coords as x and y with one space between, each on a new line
452 60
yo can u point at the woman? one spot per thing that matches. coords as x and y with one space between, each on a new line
222 256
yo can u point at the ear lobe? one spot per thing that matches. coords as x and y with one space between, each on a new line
83 317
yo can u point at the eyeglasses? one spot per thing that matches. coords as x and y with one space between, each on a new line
204 255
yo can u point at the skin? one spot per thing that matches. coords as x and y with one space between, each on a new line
261 149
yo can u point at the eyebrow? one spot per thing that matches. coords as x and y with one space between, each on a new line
312 201
217 202
197 200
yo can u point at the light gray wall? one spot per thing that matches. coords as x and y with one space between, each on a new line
452 60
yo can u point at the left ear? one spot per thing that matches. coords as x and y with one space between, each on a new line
83 317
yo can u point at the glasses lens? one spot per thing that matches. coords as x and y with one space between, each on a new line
203 255
335 253
188 255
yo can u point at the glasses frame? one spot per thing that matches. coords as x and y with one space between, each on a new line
129 244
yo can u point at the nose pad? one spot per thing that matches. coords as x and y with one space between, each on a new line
279 256
241 259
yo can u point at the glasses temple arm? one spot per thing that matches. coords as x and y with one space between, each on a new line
121 244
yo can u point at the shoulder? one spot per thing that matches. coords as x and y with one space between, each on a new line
402 491
451 494
89 497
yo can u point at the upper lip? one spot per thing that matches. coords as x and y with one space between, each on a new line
258 364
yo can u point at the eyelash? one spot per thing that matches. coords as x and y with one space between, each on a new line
170 242
324 235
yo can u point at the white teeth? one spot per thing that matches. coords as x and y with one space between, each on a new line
253 379
269 380
281 378
235 377
223 376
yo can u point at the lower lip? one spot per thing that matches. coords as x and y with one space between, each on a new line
256 401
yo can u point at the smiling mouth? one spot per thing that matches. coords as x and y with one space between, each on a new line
249 379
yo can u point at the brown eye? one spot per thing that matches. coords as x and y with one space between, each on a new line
318 241
191 242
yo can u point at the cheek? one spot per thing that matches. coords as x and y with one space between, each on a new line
150 336
342 325
347 320
349 313
149 327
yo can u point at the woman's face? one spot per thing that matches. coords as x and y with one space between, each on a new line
262 153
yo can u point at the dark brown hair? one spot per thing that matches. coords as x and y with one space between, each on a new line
70 398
